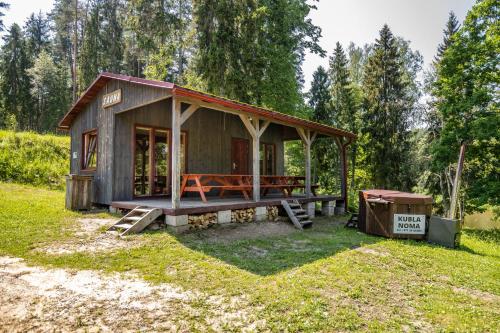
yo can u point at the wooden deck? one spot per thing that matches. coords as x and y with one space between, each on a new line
193 205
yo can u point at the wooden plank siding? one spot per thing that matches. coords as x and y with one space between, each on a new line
94 116
209 134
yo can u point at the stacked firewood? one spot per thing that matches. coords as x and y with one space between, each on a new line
243 215
272 213
202 221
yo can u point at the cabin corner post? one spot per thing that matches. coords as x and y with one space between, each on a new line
175 154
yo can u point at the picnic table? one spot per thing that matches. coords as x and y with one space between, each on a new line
203 183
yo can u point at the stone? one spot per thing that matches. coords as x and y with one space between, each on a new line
327 208
339 210
260 213
310 209
178 229
176 221
224 216
113 210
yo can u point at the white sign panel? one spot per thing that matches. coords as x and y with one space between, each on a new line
112 98
409 224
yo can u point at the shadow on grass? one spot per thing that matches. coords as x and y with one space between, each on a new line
271 253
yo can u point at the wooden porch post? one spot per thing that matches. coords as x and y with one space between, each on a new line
175 153
344 169
307 138
255 129
256 161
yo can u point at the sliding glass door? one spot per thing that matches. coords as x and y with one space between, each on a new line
161 158
142 161
152 160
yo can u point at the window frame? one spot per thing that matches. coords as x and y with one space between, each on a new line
83 158
266 146
152 130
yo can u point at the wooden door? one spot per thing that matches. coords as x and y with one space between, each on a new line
239 156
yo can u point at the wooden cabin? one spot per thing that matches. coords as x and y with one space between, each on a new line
157 144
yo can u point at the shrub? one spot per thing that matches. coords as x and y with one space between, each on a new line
37 159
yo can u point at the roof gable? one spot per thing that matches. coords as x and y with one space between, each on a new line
287 119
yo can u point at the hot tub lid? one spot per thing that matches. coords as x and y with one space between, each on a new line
397 196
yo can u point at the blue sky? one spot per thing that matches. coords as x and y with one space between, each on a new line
420 21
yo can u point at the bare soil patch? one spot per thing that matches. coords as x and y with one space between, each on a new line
37 299
90 236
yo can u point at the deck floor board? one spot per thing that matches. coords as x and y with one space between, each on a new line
193 205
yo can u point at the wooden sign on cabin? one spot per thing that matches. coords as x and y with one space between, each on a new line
112 98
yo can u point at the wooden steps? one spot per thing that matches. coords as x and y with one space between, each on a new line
136 220
297 214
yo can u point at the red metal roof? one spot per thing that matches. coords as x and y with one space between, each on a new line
104 77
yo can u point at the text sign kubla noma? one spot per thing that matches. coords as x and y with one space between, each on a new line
112 98
409 224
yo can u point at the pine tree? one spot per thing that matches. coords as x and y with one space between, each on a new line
319 97
452 26
48 89
111 29
158 44
37 34
89 66
325 154
15 85
68 20
3 6
252 50
466 92
388 109
437 182
345 110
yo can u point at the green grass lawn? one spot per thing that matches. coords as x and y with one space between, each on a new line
327 278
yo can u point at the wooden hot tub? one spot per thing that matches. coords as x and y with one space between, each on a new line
394 214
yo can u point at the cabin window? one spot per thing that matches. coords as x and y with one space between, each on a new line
267 159
152 160
89 156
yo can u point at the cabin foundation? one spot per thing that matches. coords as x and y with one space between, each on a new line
224 216
327 208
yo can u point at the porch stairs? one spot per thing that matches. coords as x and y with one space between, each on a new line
136 220
297 214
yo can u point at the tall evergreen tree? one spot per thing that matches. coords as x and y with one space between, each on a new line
158 38
111 29
3 6
438 182
48 87
68 22
452 26
319 97
388 109
466 92
37 34
15 85
344 109
325 154
252 50
91 50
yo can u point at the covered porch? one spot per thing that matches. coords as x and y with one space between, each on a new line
195 205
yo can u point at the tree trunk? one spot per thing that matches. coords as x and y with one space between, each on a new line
75 54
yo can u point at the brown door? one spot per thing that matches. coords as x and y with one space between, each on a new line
239 156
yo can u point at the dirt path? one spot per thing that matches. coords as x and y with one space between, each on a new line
37 299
